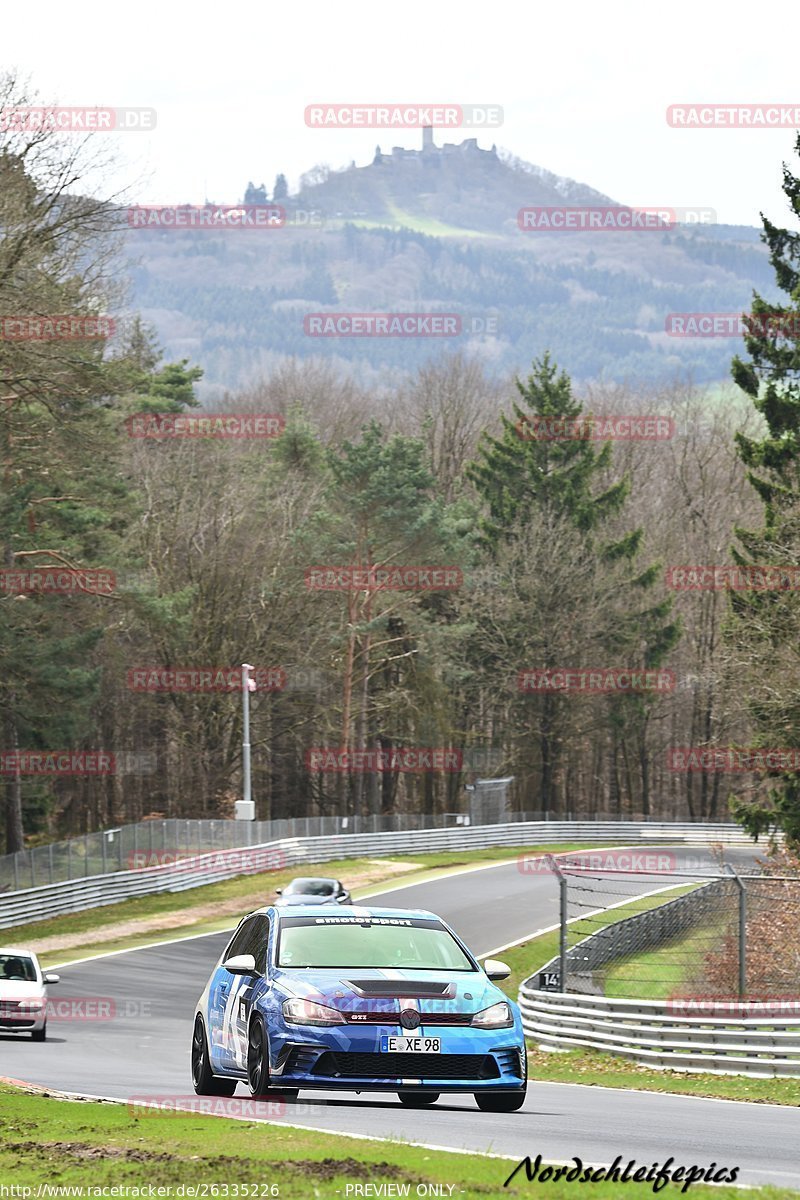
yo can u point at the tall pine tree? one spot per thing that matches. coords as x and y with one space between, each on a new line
764 630
560 489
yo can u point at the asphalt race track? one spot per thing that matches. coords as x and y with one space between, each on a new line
142 1050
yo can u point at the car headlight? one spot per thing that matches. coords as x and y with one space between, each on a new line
497 1016
307 1012
32 1004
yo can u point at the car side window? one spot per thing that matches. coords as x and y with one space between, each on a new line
252 938
261 943
238 944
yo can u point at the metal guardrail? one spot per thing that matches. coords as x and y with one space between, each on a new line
32 904
763 1043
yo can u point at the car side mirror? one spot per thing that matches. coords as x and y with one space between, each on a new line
49 977
341 899
241 964
278 891
496 970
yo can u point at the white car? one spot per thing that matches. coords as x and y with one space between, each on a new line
23 994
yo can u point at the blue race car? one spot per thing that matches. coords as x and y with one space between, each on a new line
361 999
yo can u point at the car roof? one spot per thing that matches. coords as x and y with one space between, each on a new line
350 910
17 952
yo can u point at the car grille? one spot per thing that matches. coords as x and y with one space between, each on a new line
16 1022
387 1018
406 1066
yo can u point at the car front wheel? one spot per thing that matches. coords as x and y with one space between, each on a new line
258 1067
501 1102
39 1035
205 1082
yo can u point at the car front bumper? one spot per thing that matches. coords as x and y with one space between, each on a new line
471 1060
19 1018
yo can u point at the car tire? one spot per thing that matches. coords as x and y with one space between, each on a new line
418 1099
206 1083
39 1035
501 1102
258 1077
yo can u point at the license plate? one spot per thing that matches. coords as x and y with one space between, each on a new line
411 1045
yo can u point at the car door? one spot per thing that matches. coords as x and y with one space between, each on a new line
222 996
248 987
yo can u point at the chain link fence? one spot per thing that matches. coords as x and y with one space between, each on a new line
656 926
153 843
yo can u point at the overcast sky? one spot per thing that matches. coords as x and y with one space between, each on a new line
584 87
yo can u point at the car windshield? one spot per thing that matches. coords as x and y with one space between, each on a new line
17 966
310 887
369 942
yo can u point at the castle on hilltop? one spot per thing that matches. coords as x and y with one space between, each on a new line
432 155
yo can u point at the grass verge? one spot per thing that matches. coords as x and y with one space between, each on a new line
668 970
88 1144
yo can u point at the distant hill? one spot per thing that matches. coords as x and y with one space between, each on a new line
437 230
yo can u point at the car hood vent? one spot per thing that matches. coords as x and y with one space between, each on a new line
398 988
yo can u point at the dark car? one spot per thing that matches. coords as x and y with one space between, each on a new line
312 891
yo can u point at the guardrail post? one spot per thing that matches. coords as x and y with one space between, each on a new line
562 918
742 930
